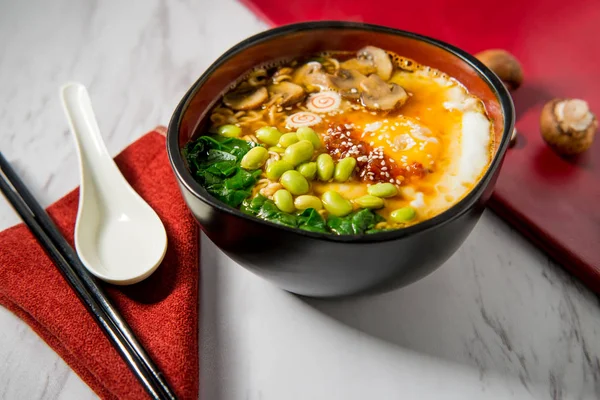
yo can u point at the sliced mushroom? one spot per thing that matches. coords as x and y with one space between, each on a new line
347 82
312 76
377 94
288 93
362 65
258 77
379 59
246 99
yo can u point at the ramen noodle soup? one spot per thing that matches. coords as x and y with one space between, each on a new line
343 143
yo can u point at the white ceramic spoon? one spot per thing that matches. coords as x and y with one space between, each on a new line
118 237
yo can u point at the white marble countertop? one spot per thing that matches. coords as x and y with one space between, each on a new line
497 321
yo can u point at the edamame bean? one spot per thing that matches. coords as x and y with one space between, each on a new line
229 130
299 152
370 202
308 170
307 201
335 204
325 167
343 169
277 149
383 190
294 182
284 200
268 135
255 158
306 133
403 214
288 139
277 168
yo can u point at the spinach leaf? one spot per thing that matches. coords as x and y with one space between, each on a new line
261 207
252 206
215 163
270 212
356 223
214 156
339 225
370 231
311 220
210 179
266 209
285 219
242 179
222 169
228 196
364 220
234 146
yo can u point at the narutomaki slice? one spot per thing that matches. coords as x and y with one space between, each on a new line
323 102
302 118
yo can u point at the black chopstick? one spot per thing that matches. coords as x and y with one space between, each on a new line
85 286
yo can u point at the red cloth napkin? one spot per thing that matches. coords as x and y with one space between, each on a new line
161 310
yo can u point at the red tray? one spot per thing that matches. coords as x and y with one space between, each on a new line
553 201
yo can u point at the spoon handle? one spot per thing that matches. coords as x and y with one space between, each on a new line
93 154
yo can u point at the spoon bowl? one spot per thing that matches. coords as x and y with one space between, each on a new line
118 236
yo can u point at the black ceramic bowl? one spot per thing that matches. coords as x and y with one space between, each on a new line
322 265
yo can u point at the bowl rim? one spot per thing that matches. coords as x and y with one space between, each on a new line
455 211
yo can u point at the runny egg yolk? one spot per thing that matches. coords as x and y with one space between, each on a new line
404 139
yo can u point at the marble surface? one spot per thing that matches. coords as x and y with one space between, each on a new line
497 321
